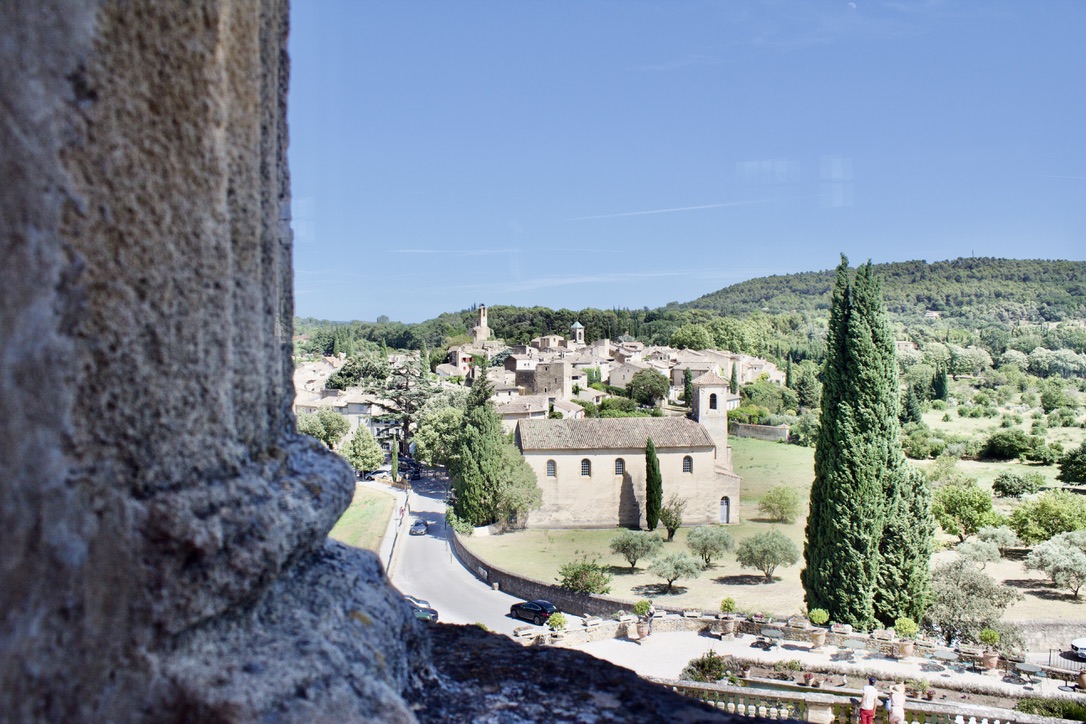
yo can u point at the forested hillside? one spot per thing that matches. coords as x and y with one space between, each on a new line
995 304
983 290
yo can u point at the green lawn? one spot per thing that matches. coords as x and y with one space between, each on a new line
364 522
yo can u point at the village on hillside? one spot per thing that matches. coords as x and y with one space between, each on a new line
541 391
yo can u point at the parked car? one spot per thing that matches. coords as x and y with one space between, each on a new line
422 609
1079 647
419 527
537 611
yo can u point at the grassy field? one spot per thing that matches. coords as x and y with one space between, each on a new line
364 522
763 465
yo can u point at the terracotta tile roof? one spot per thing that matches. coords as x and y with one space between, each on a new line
711 379
618 432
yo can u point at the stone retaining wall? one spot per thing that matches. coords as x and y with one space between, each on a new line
771 433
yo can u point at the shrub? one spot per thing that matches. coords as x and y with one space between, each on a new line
708 668
780 504
1073 466
641 608
458 524
818 616
989 637
727 605
584 576
1059 708
1051 512
1015 485
557 621
766 551
906 628
1008 444
1002 536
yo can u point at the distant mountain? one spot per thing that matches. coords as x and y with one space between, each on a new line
978 289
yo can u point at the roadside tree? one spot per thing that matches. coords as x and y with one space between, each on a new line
327 426
766 551
363 452
674 567
584 576
633 545
709 542
437 441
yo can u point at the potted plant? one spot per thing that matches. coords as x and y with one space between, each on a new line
557 623
641 608
990 638
906 630
727 615
818 617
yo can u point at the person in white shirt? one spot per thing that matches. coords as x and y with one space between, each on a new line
868 702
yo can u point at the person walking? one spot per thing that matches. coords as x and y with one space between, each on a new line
651 615
868 702
897 705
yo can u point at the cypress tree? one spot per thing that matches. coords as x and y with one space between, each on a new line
788 374
688 387
654 486
858 458
905 549
733 384
911 411
940 384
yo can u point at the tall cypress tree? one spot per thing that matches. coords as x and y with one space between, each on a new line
688 387
905 549
788 374
733 384
858 458
654 487
940 385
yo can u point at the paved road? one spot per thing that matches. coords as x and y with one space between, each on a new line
424 566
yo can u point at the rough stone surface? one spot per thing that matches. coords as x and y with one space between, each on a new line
163 524
510 685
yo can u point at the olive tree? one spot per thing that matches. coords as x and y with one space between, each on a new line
964 601
766 551
709 541
633 545
1063 559
675 566
672 515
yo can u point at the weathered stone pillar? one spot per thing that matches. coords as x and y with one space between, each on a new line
162 525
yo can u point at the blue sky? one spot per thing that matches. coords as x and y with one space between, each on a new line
610 153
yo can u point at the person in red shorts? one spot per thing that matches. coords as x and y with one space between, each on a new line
868 702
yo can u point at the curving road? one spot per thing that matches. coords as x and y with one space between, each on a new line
425 567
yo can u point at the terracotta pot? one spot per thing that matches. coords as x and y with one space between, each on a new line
1082 679
642 629
818 637
727 626
989 659
905 649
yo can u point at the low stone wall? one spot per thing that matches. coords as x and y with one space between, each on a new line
1044 636
771 433
531 588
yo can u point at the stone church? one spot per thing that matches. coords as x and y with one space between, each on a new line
592 471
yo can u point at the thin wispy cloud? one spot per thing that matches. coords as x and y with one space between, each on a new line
667 211
455 252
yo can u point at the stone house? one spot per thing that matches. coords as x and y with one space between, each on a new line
592 471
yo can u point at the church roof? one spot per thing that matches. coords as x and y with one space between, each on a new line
611 433
576 325
710 379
